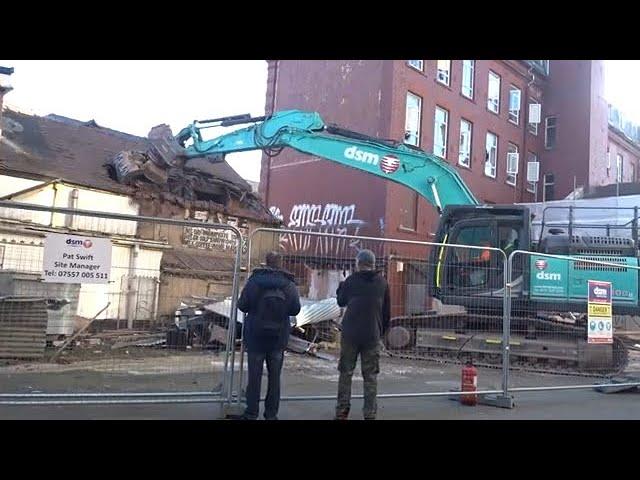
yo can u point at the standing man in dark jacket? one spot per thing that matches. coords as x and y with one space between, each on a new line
269 298
366 296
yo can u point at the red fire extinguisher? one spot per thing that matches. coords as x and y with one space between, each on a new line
469 384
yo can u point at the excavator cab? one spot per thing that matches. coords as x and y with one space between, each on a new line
474 277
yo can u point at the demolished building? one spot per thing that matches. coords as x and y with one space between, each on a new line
62 162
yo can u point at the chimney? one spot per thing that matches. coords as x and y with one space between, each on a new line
5 87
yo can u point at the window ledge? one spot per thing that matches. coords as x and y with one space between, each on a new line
442 84
404 229
469 99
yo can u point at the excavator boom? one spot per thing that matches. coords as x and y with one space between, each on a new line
306 132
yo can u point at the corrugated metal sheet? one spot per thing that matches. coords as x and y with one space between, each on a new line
60 321
23 327
318 311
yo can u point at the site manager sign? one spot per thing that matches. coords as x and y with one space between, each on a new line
76 259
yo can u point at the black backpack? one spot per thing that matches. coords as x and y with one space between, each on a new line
271 315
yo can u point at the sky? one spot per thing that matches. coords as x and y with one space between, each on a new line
134 95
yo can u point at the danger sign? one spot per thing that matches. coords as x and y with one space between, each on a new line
600 321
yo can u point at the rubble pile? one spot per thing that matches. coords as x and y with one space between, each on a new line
164 167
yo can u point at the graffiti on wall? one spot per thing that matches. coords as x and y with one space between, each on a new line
330 218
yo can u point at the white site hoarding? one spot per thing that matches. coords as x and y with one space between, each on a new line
76 259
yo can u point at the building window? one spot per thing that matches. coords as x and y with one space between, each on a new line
412 119
514 105
531 158
468 73
541 65
535 110
619 168
550 133
409 214
608 162
513 159
633 173
548 190
491 157
440 132
444 71
417 64
493 98
466 134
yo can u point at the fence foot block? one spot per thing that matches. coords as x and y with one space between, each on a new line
612 386
232 410
493 400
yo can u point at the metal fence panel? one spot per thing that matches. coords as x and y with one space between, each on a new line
151 329
556 337
429 338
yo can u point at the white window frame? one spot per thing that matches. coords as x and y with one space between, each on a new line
546 132
533 127
514 115
407 119
619 168
608 161
531 157
467 90
464 157
444 79
440 150
493 102
416 64
487 161
512 179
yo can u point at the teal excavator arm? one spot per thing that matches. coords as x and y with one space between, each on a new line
306 132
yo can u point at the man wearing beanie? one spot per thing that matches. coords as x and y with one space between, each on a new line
365 293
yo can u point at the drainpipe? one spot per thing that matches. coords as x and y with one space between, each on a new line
156 301
525 125
55 196
131 286
73 203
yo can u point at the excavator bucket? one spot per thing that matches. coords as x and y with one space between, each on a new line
165 151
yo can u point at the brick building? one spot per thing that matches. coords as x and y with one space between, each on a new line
482 116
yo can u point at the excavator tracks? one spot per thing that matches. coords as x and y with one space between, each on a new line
536 344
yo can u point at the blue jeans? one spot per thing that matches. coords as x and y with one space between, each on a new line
255 363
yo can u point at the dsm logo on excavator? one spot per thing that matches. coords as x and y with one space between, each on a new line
542 265
388 164
353 153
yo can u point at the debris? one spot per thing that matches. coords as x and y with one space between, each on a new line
140 340
64 345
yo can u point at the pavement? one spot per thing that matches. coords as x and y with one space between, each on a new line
303 375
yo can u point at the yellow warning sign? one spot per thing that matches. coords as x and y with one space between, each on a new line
599 310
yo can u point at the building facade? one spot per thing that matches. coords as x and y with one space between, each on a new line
489 119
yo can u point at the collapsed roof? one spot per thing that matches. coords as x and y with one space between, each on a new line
84 153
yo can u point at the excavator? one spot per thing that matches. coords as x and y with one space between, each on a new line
549 295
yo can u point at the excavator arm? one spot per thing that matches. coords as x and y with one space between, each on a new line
306 132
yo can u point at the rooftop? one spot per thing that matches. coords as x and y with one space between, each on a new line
57 147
